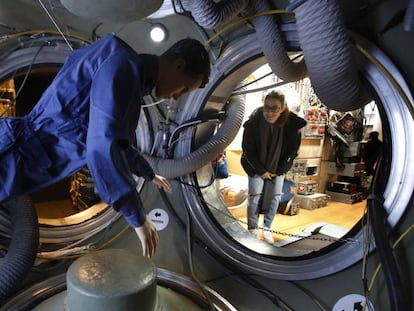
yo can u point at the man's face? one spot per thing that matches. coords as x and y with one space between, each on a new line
173 81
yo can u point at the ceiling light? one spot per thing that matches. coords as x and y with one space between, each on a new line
158 32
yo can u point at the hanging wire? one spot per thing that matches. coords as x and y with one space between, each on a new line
394 246
190 261
240 275
300 236
56 25
13 101
116 237
366 244
233 24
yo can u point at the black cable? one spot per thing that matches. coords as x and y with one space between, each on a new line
213 178
184 11
193 122
315 299
13 101
276 300
260 78
150 126
188 230
254 81
391 274
379 229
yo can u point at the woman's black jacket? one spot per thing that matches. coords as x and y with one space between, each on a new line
291 124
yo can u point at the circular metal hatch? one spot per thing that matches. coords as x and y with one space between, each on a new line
393 97
237 61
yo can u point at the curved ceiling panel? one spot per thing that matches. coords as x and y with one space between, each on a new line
112 11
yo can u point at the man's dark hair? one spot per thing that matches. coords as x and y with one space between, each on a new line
197 61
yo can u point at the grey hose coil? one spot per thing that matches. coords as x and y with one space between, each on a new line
270 39
329 55
23 246
172 168
210 14
326 46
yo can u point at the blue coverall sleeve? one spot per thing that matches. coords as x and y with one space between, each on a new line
114 99
138 164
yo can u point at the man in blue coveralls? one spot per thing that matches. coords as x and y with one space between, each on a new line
89 115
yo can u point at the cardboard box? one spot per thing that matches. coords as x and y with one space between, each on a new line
345 198
307 187
312 201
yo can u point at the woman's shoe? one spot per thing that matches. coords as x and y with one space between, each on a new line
254 232
268 235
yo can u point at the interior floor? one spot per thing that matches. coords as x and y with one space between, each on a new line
335 213
341 217
336 216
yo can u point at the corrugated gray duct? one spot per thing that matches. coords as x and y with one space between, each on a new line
270 39
210 14
326 46
23 246
172 168
329 55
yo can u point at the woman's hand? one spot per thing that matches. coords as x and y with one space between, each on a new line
162 183
267 175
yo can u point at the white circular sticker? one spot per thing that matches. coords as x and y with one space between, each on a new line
159 217
353 302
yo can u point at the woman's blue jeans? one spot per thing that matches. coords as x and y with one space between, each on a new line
255 192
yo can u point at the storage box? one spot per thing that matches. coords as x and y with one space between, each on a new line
299 167
307 187
314 129
312 201
349 169
345 198
342 187
353 150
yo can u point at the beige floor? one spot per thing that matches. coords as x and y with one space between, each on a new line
336 213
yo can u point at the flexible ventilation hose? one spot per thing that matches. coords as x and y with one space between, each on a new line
23 246
380 230
268 34
389 264
210 14
326 46
172 168
329 55
334 74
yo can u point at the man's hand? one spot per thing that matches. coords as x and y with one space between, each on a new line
148 236
162 183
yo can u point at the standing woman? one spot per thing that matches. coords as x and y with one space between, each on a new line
271 141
